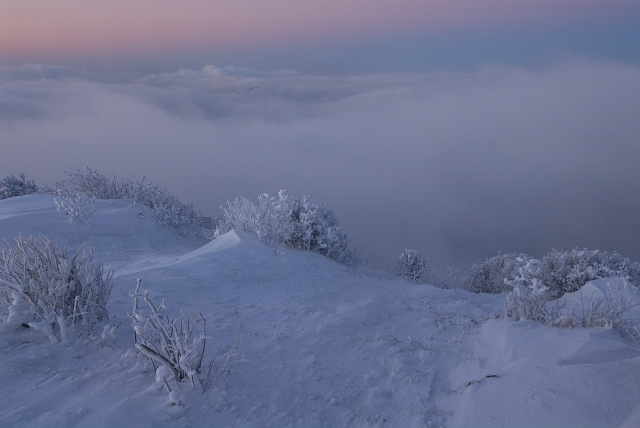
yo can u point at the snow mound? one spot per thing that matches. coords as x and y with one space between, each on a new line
234 239
33 215
605 292
522 373
120 232
610 289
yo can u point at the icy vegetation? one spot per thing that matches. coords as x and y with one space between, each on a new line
265 325
175 347
10 186
295 222
49 290
75 195
560 271
411 265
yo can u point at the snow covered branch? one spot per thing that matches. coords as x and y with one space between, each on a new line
175 346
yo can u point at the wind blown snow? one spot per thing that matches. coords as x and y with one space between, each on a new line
318 343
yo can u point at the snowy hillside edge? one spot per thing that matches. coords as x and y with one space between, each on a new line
303 340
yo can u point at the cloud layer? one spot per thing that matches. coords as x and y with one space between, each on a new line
462 165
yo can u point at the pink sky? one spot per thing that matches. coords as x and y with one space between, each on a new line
95 27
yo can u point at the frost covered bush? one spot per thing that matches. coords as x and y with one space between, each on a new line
241 213
492 275
531 299
286 220
171 212
529 296
50 290
175 346
77 205
567 271
560 271
93 184
411 265
317 229
10 186
167 208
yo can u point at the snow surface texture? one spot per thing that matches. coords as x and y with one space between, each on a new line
322 345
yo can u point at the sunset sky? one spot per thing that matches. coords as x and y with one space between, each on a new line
458 127
314 36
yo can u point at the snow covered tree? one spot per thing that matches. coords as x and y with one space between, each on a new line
491 276
411 265
50 290
10 186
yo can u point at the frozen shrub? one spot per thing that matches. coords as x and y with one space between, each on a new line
567 271
77 205
241 214
560 271
10 186
167 208
171 212
93 184
411 265
528 297
279 219
275 219
317 229
491 276
286 220
175 346
54 292
531 299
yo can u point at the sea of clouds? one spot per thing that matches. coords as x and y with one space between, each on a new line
459 164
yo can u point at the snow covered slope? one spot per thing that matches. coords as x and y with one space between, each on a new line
320 344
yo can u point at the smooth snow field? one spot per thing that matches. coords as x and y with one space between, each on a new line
318 344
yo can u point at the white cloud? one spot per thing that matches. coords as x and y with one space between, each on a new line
460 164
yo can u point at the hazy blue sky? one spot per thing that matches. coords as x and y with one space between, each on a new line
331 36
461 128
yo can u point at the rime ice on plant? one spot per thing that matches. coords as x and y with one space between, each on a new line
411 265
50 290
